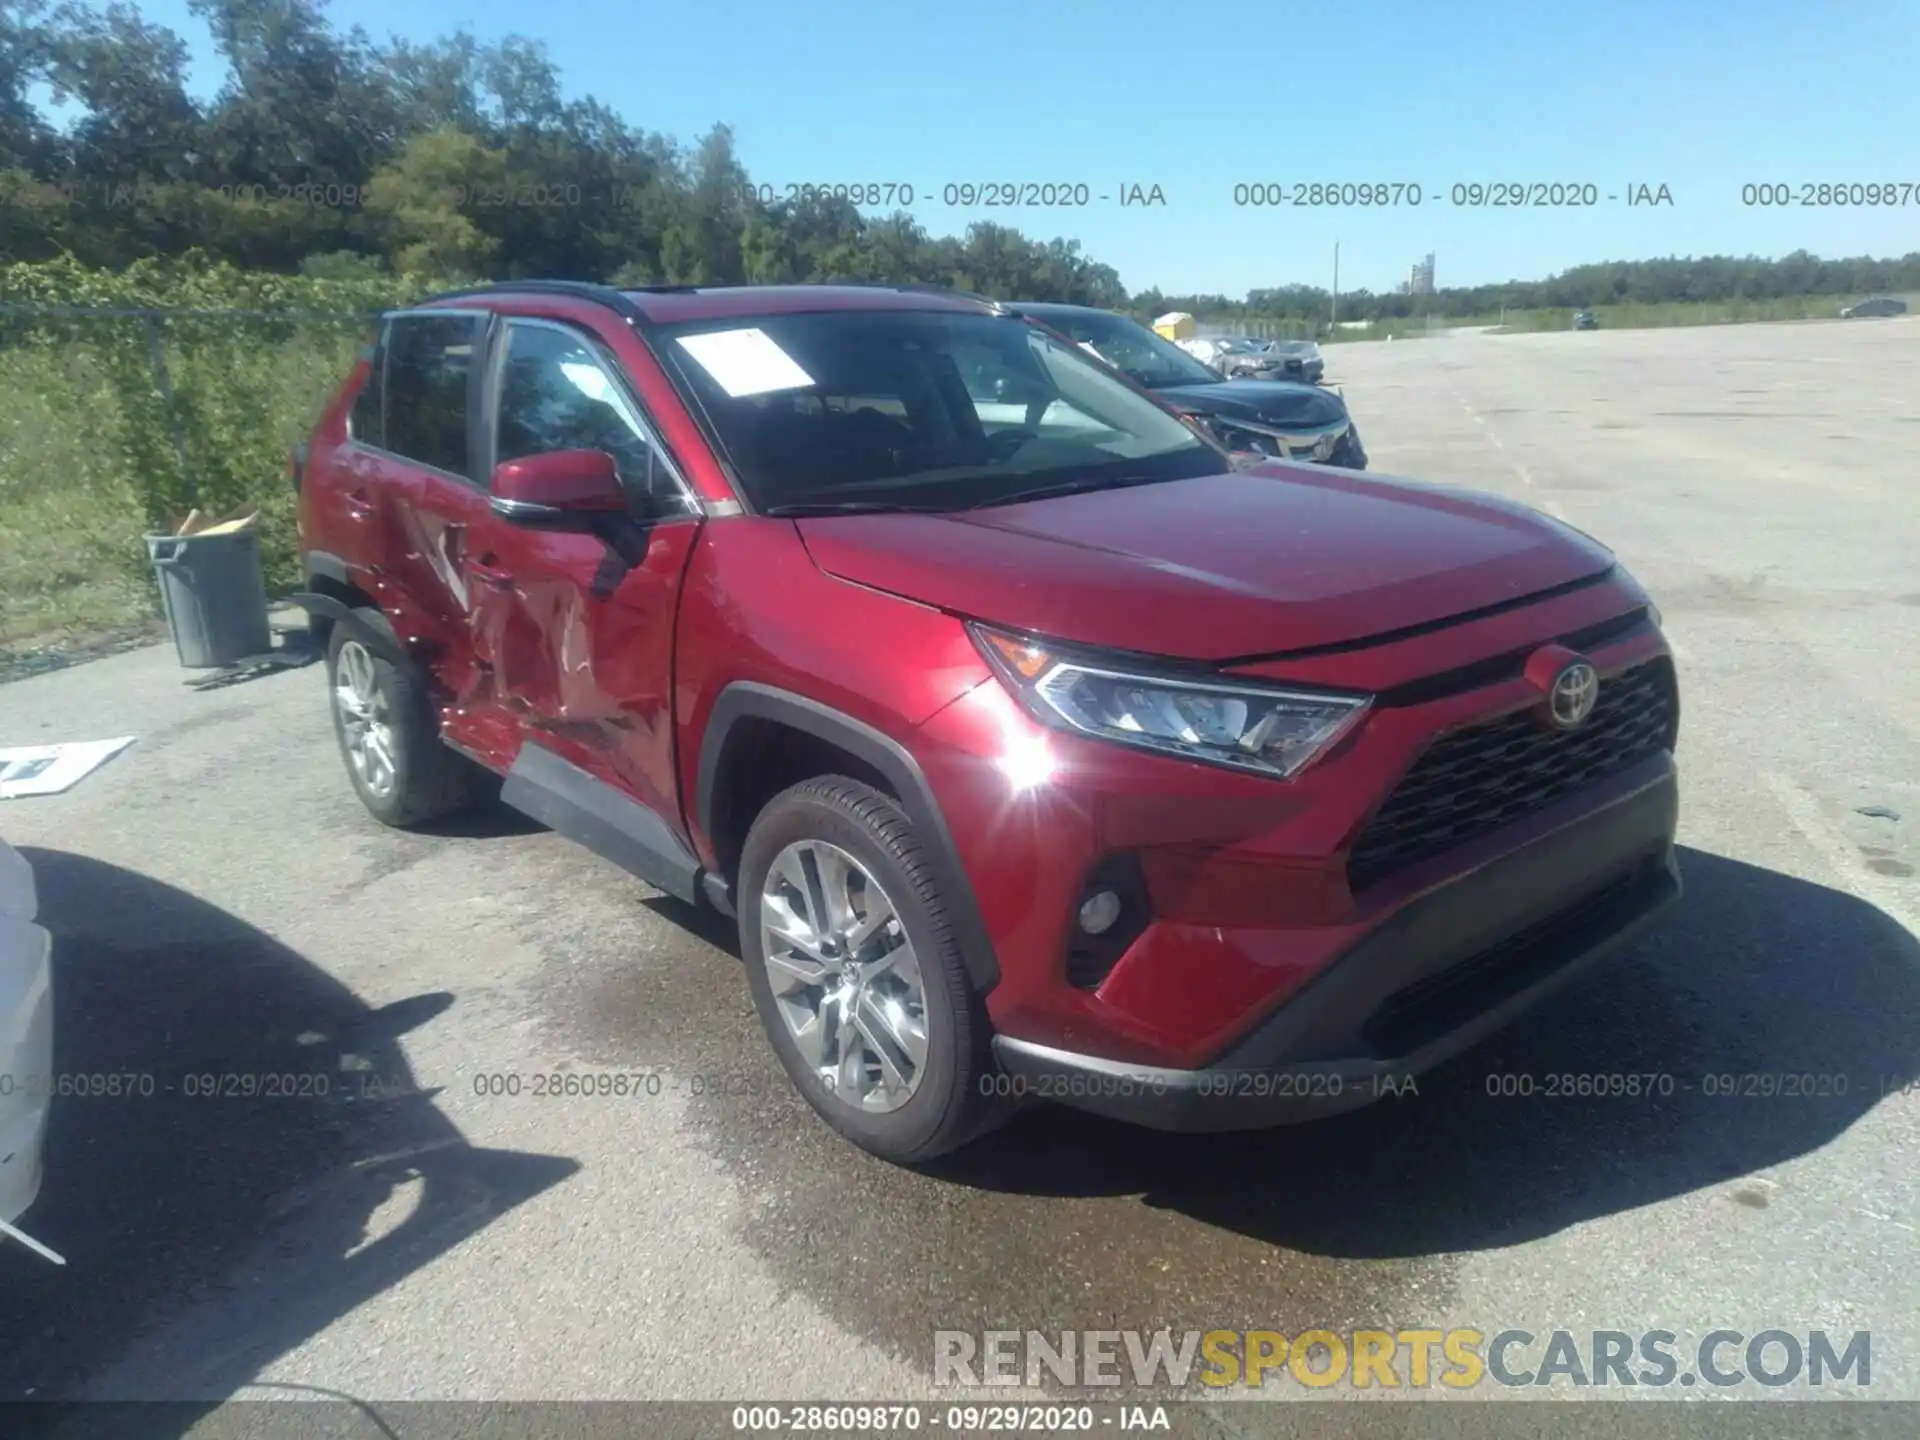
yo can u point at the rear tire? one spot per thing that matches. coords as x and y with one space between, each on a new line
866 1001
390 736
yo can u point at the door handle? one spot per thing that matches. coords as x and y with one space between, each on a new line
491 576
358 504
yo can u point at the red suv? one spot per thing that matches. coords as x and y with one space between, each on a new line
1040 746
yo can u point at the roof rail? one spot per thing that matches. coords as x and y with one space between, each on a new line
606 295
612 296
921 287
914 287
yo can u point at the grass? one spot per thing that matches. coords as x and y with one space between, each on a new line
70 516
1414 327
1618 317
1690 312
73 503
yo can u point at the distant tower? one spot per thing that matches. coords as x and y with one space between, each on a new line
1422 281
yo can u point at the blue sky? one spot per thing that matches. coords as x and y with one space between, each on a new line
1196 97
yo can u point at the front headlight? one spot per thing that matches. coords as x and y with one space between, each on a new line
1270 732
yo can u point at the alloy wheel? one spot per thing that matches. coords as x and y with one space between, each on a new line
365 723
844 975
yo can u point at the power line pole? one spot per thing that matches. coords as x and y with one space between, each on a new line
1333 317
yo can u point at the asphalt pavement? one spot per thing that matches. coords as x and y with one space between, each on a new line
385 1224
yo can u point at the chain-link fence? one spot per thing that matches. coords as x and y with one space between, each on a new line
1263 330
115 421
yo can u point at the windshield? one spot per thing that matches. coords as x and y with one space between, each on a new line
1132 349
931 410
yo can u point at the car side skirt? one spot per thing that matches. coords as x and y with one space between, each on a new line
585 809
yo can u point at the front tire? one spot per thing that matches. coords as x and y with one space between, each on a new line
856 972
389 735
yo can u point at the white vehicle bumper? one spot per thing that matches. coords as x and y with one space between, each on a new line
26 1035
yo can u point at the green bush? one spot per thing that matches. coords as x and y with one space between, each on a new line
92 454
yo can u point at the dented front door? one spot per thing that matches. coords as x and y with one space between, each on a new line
577 626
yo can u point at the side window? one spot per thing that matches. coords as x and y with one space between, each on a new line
429 358
555 394
364 420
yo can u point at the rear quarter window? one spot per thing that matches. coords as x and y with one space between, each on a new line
430 361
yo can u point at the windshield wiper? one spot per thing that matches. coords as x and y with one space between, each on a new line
801 508
1068 487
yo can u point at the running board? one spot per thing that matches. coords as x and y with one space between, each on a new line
590 812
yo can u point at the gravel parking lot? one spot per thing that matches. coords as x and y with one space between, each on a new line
222 905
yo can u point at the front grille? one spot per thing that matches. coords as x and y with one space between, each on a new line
1475 780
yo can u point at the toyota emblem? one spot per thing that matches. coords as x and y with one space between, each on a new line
1570 700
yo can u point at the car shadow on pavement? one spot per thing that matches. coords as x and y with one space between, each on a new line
490 819
722 932
1755 974
262 1164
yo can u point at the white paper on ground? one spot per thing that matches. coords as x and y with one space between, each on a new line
746 362
50 769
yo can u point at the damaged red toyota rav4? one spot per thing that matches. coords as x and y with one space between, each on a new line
1040 744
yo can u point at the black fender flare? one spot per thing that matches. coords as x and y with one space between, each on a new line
376 634
324 565
747 700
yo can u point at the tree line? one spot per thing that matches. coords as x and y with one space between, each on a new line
1615 282
332 155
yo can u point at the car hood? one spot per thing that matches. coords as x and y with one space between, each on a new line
1273 402
1257 562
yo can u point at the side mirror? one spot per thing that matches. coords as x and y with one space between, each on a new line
559 485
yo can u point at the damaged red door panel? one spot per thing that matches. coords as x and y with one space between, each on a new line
580 640
426 593
420 495
574 610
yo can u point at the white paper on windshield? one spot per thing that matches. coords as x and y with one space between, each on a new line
50 769
590 380
746 362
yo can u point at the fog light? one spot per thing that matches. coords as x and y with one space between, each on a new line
1099 911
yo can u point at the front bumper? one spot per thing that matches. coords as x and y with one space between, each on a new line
1435 977
26 1056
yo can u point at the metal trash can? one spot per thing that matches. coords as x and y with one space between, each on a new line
214 595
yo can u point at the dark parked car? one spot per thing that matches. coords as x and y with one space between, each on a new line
1585 320
1878 306
1042 753
1262 417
